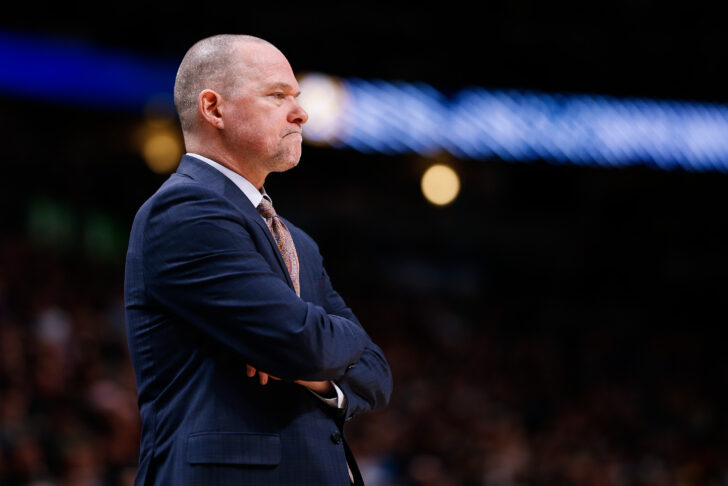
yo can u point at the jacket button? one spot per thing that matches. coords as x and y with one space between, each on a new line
336 437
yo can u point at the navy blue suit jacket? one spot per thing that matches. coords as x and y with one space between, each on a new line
206 291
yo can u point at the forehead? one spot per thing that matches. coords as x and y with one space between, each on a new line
261 65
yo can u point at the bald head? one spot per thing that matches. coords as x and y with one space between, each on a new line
207 65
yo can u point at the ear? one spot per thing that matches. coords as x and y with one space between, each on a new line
209 103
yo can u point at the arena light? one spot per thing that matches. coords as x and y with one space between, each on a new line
395 117
161 145
440 184
324 99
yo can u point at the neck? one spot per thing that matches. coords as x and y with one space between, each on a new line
255 177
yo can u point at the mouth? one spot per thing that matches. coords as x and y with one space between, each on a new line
294 133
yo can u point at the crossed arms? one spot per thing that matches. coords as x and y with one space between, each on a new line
201 263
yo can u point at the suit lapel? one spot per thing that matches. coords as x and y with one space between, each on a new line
219 182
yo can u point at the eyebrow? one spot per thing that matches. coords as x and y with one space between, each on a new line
284 87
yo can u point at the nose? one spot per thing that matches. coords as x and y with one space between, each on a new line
297 114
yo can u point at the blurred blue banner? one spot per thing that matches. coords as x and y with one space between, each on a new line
82 75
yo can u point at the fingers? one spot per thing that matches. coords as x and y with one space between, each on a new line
263 377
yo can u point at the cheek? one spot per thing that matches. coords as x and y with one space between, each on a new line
259 132
256 136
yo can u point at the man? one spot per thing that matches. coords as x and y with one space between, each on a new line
247 361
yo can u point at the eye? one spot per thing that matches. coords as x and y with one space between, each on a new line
279 95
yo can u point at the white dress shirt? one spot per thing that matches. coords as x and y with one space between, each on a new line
255 196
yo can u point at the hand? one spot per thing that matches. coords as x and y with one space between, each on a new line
262 376
323 388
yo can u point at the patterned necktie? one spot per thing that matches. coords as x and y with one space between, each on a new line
283 239
288 252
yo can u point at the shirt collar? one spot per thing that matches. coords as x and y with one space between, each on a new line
250 191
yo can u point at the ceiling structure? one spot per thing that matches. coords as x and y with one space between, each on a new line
618 48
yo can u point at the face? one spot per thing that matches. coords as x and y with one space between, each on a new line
261 114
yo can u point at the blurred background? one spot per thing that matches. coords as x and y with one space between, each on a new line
550 301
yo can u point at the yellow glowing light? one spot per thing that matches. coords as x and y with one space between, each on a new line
160 143
162 151
440 184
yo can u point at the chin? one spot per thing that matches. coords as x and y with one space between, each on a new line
285 159
293 159
293 164
285 165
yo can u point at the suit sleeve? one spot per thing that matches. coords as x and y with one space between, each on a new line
367 383
201 264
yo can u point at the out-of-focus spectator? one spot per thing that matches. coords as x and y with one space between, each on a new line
474 403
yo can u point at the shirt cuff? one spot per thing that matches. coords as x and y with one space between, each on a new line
339 401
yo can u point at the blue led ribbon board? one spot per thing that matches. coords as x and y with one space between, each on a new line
396 117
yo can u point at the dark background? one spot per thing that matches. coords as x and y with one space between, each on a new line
554 325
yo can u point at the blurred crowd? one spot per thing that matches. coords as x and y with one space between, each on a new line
477 399
67 393
477 405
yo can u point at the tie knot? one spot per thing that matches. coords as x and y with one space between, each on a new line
265 208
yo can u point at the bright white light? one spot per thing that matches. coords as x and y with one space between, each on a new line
324 98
